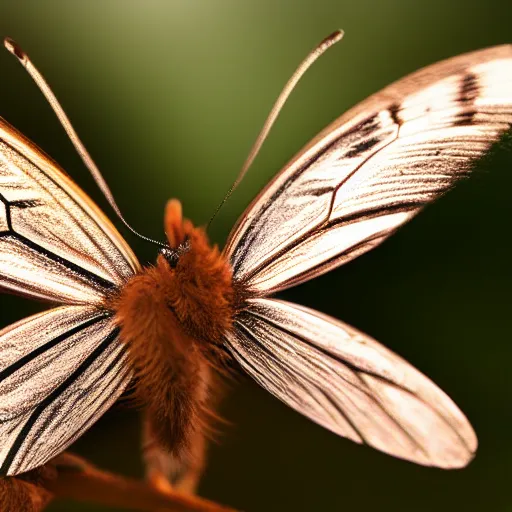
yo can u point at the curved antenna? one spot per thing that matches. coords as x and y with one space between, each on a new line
71 133
319 49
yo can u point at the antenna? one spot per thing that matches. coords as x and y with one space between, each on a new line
319 50
71 133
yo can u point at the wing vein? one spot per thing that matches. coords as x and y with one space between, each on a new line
20 438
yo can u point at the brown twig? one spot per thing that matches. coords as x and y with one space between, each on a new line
79 480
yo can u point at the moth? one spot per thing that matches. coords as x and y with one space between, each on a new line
165 326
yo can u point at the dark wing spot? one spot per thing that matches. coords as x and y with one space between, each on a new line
30 203
367 127
362 147
317 192
469 88
393 110
468 93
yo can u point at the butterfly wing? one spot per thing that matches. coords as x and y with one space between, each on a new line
55 244
349 383
372 170
62 369
59 372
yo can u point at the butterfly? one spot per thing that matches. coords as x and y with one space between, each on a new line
164 326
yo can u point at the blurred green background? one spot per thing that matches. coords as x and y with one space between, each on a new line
168 96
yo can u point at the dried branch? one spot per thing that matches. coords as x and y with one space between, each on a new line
70 476
79 480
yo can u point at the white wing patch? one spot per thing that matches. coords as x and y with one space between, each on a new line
372 170
349 383
59 372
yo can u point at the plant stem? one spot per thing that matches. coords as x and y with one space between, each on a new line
79 480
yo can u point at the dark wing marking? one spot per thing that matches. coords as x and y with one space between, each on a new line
59 372
349 383
55 243
372 170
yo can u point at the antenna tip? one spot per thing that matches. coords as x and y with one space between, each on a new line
13 47
333 38
330 40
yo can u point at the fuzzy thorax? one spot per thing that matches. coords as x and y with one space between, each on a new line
199 289
172 317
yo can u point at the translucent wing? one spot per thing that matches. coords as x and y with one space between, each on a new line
372 170
349 383
55 244
59 372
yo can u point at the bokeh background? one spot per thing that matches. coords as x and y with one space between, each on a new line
168 96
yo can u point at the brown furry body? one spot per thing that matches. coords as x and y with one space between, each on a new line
172 317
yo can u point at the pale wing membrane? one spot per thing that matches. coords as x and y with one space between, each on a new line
55 244
372 170
349 383
59 372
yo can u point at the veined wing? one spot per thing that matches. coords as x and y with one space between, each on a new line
349 383
55 244
59 372
372 170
